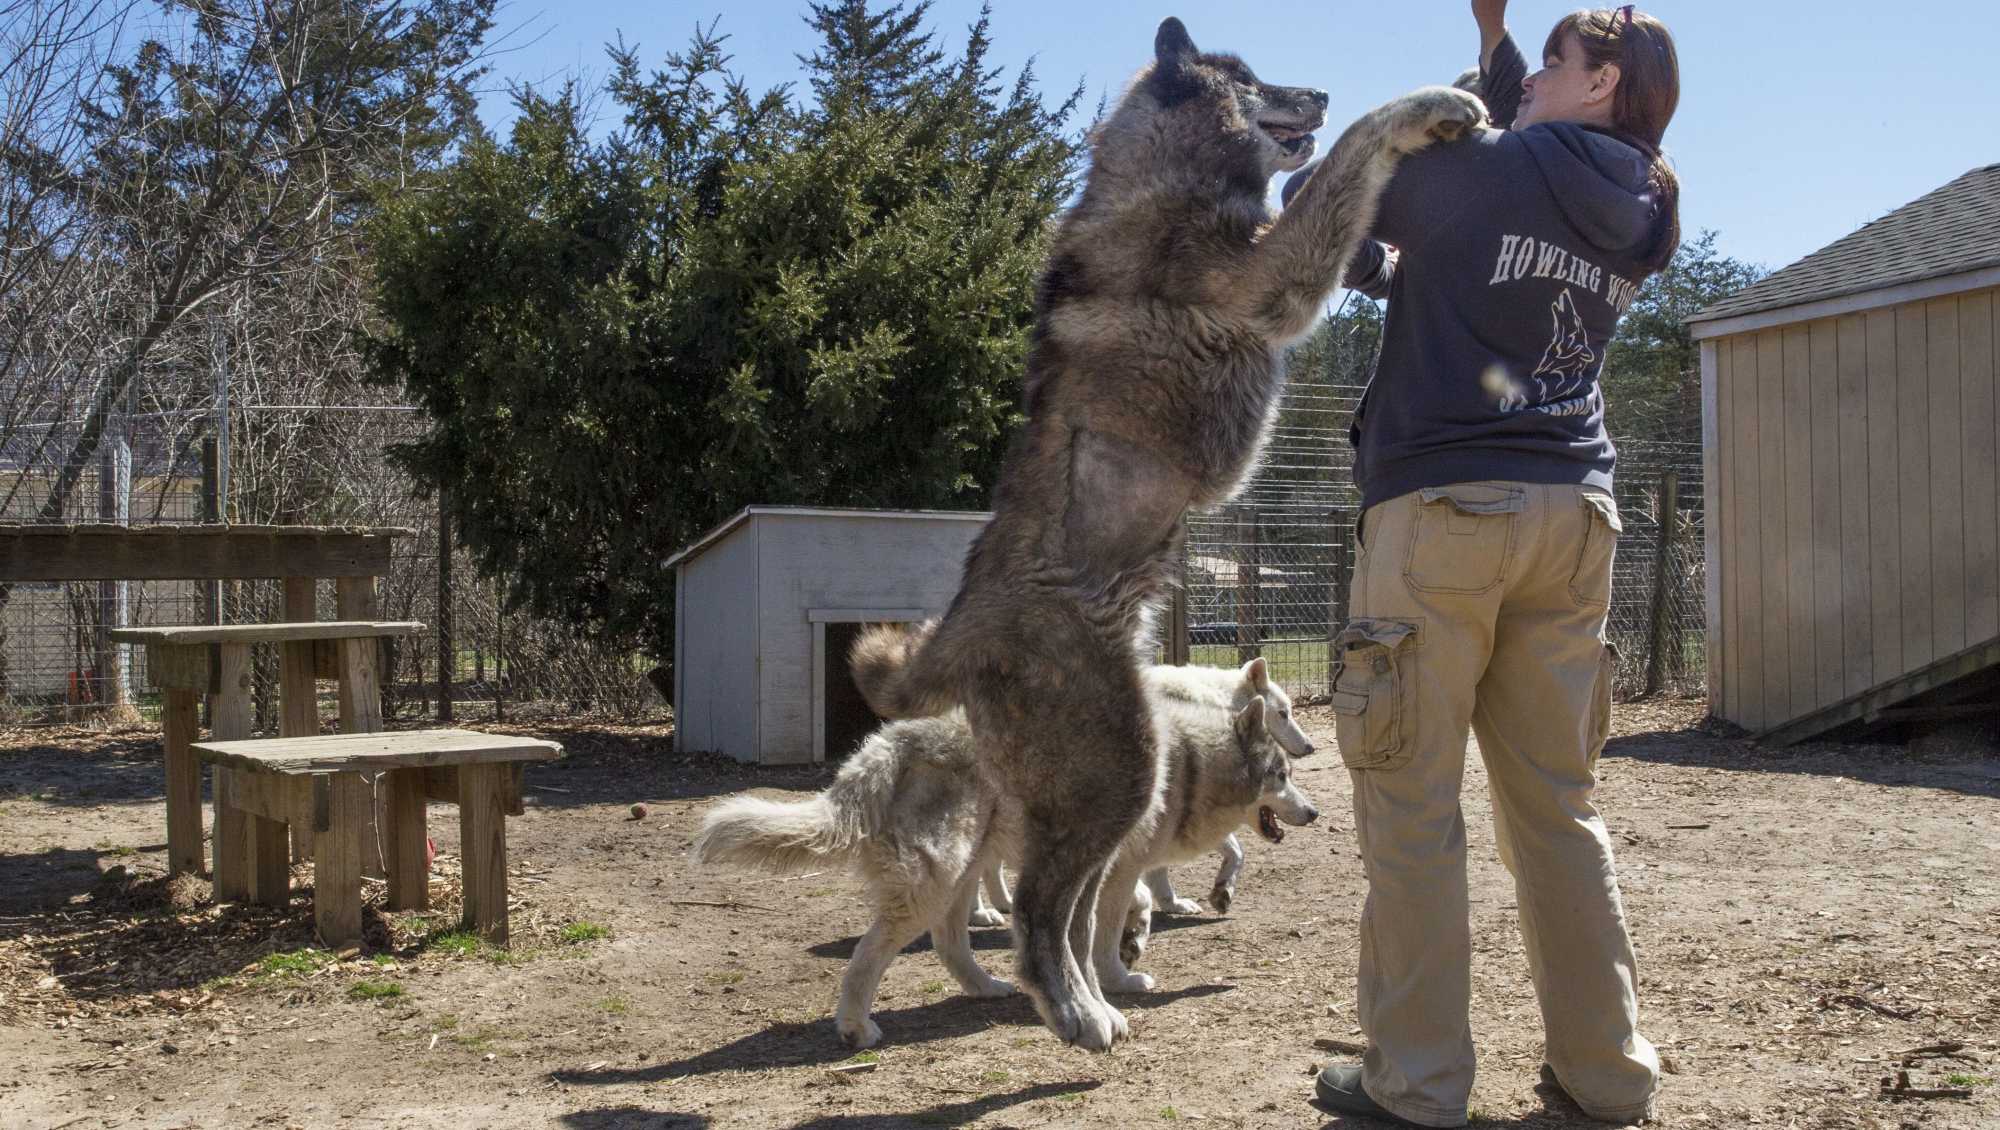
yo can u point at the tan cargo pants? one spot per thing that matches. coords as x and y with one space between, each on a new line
1483 604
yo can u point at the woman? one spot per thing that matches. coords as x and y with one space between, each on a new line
1480 594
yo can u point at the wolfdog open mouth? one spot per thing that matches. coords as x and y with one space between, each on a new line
1267 824
1292 141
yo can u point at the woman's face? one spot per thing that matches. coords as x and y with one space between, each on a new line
1567 89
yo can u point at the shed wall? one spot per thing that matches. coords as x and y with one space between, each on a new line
716 639
1858 524
849 562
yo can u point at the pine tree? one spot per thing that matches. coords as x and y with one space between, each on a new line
734 299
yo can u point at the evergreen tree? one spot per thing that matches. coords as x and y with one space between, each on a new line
1651 378
734 299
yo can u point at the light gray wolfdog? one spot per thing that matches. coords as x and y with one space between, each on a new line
907 811
1220 686
1152 380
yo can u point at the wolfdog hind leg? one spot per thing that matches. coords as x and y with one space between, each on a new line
953 944
1083 927
1045 897
872 955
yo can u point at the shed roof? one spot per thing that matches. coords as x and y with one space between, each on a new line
744 515
1949 231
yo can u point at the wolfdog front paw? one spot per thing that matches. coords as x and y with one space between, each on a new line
863 1034
1082 1023
986 917
1184 906
1130 983
1221 897
1432 113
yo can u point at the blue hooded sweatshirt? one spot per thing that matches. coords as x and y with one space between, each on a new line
1518 251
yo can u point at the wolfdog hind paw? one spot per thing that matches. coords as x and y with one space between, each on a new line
994 987
1085 1024
1433 113
1184 906
866 1034
985 917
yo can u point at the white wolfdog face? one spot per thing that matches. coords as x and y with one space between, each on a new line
1278 796
1257 676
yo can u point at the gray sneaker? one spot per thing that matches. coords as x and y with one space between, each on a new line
1339 1089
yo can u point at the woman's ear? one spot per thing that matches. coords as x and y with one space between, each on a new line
1604 84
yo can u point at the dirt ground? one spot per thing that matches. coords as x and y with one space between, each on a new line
1803 920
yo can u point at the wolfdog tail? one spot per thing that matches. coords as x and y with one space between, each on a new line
901 671
777 836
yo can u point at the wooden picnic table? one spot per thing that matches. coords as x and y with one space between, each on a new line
481 773
215 660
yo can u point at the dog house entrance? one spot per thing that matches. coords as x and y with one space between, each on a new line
841 717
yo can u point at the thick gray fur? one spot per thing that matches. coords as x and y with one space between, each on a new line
1169 296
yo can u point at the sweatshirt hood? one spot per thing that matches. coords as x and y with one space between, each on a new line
1598 181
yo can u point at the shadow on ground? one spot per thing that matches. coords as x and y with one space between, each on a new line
813 1043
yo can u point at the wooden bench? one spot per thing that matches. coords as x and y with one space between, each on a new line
185 662
272 779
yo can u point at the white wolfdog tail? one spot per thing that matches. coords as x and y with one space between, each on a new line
783 837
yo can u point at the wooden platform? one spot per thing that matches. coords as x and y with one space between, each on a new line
403 749
266 784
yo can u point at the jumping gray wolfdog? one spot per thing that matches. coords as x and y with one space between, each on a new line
1152 380
908 812
1226 687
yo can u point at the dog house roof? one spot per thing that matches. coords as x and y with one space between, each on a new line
744 515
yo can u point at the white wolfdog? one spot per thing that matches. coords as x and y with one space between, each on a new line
1217 686
908 813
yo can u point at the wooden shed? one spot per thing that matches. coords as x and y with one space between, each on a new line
1849 421
766 604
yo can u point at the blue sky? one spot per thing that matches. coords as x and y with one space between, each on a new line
1798 123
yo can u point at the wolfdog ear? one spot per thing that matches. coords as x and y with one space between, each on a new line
1249 724
1257 673
1173 43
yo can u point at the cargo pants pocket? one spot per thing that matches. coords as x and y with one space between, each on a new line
1600 702
1373 689
1462 537
1590 581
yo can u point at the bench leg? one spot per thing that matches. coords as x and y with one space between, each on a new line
403 839
337 857
230 721
298 701
482 844
233 861
270 860
178 718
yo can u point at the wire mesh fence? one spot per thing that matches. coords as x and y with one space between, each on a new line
1269 573
284 464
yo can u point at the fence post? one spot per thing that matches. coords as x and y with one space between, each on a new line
445 655
1177 615
1667 506
1249 580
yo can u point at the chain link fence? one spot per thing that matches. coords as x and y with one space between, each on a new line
285 464
1269 573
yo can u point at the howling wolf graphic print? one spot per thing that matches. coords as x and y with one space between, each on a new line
1562 382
